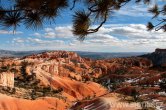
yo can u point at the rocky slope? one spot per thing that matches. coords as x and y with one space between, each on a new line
10 103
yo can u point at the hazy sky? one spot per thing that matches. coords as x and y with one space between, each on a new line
125 31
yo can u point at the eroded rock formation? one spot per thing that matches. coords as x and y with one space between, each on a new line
72 77
7 79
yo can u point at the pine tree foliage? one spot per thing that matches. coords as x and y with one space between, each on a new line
34 13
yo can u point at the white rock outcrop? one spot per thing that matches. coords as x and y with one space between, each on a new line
7 79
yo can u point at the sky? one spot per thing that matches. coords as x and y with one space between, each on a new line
124 31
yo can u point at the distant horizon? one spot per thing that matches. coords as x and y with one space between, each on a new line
77 51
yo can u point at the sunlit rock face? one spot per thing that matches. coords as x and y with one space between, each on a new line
7 79
51 68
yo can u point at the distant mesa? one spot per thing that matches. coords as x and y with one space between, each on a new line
158 50
158 57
